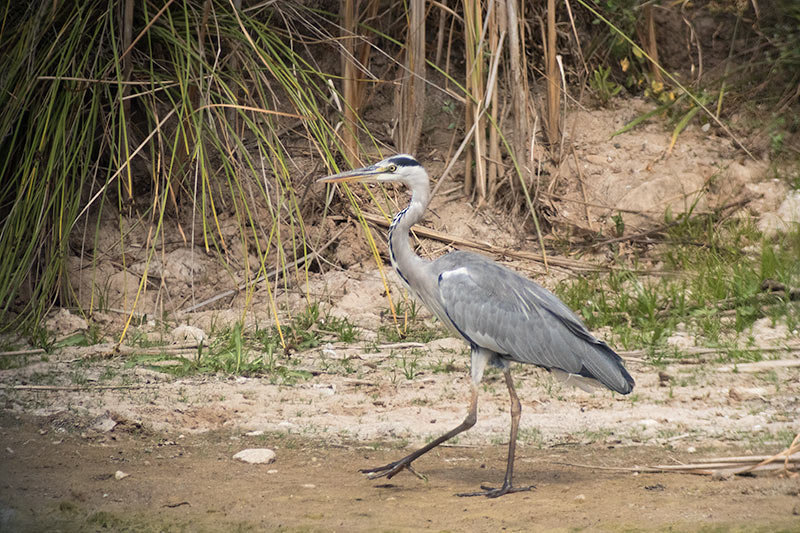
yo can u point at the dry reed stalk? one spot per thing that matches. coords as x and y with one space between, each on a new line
519 80
410 100
127 69
440 36
475 182
496 19
553 89
650 44
363 52
349 82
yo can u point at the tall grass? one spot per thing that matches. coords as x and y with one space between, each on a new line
185 123
174 120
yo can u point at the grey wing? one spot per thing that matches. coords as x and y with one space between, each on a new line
496 308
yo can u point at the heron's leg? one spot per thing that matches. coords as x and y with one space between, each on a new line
391 469
480 358
516 411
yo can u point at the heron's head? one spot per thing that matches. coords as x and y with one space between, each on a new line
401 168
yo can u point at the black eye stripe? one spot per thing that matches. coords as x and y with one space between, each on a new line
404 161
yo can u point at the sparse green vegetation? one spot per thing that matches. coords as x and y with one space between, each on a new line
255 351
413 328
718 286
408 363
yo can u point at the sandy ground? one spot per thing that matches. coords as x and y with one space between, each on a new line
72 419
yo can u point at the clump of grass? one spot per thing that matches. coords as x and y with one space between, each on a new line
717 292
235 350
412 328
179 123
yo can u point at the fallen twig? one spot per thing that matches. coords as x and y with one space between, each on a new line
760 366
158 350
772 285
401 345
572 264
74 387
636 355
33 351
787 460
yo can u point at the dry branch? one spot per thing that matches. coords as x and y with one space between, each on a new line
34 351
571 264
787 461
743 367
410 101
46 388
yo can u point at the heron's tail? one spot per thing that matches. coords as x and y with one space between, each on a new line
606 368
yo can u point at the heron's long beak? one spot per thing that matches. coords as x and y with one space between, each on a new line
359 174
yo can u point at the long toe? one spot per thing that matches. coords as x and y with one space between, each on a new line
388 471
377 472
492 492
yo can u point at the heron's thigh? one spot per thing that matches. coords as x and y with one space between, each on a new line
480 358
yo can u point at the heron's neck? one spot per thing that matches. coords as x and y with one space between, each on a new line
404 260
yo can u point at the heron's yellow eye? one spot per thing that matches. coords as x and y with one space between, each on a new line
391 168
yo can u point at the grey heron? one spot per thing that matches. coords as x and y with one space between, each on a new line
502 315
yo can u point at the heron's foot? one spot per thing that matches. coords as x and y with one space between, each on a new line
491 492
392 469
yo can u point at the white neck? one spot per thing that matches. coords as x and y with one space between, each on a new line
405 262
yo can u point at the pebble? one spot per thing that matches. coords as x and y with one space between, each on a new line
119 474
104 424
580 498
309 486
722 475
256 456
184 332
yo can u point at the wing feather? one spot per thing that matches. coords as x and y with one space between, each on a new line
496 308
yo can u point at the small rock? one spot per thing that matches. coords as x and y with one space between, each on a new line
309 486
328 351
103 424
784 219
740 394
722 475
326 389
256 433
64 322
9 451
185 332
259 456
580 498
691 449
119 474
272 471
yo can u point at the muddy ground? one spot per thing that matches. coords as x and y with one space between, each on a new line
65 482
